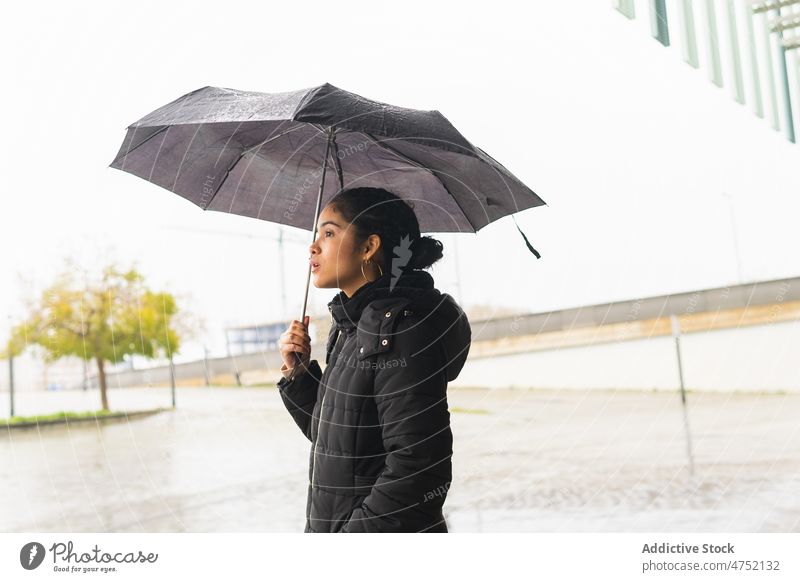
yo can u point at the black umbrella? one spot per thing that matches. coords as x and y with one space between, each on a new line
262 155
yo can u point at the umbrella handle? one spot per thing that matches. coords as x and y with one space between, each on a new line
298 356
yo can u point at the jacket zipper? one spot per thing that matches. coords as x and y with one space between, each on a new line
314 462
319 421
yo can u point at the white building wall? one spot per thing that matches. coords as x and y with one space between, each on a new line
752 358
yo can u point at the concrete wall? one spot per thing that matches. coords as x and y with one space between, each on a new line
744 337
753 358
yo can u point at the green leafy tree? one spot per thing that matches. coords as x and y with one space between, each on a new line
12 348
105 321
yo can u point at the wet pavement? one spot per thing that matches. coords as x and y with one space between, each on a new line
231 459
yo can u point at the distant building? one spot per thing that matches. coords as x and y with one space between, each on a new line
248 339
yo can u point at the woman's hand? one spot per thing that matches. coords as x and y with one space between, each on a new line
293 341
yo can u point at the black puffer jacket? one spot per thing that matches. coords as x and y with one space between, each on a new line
377 417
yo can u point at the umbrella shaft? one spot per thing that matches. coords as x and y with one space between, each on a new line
329 131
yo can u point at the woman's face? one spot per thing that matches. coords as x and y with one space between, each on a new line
336 259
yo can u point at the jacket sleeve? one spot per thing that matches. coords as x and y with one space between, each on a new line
415 425
299 395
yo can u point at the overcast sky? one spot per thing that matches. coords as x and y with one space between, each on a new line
632 149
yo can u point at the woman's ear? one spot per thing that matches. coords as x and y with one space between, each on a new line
372 246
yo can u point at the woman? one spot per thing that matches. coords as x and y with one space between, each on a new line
377 417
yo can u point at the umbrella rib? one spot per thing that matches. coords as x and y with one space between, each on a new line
245 152
138 145
337 162
269 139
422 167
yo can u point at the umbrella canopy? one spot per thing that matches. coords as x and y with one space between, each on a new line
261 155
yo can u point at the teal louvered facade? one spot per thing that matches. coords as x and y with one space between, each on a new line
750 47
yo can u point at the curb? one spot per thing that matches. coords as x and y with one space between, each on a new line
115 416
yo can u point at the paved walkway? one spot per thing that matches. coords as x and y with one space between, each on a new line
231 459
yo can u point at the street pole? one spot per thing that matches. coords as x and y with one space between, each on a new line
281 250
172 378
676 332
205 366
11 379
458 271
10 349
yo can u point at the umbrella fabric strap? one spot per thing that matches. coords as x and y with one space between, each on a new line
530 247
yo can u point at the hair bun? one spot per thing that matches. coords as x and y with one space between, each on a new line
426 251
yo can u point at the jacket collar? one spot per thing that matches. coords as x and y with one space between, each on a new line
346 311
367 310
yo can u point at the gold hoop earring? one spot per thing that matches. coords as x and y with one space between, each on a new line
369 262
